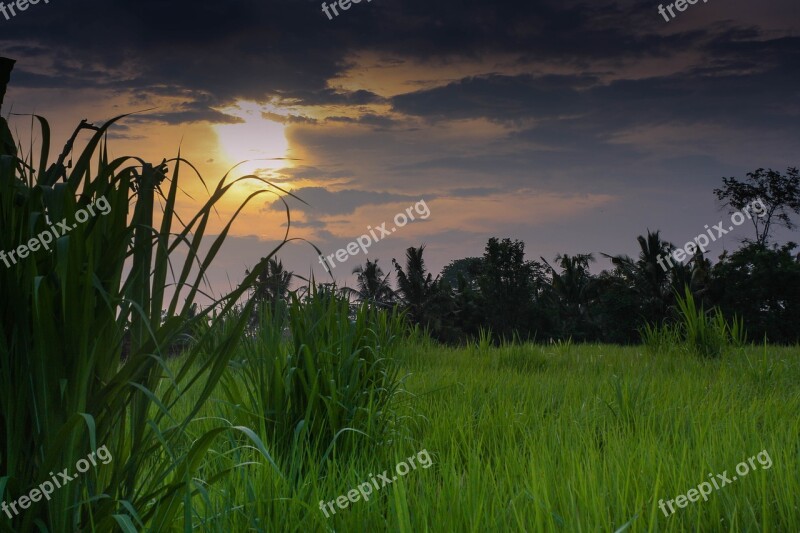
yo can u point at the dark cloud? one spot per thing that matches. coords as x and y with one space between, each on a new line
476 191
369 119
330 97
309 173
687 97
289 119
323 202
240 49
186 114
498 97
317 224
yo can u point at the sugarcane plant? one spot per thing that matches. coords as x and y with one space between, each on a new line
128 276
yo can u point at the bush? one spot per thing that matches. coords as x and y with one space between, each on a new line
331 383
699 332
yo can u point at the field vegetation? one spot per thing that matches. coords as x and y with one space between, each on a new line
245 414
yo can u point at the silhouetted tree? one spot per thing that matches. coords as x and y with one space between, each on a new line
507 288
761 286
373 286
573 289
617 308
272 284
468 268
779 194
647 276
415 286
271 288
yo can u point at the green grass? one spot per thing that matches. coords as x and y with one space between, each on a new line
250 433
560 438
703 333
65 316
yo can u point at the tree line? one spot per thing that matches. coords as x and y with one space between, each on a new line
512 297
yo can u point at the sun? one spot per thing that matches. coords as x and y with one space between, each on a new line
255 138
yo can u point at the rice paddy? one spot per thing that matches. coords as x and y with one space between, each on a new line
557 438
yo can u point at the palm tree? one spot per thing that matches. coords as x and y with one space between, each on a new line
654 284
373 286
695 274
416 288
272 284
574 282
573 289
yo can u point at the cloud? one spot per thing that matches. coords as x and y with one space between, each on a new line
326 97
213 54
329 203
369 119
305 172
498 97
288 119
476 191
186 115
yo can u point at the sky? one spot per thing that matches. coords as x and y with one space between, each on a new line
573 126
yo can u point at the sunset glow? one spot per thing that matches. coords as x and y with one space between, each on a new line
259 141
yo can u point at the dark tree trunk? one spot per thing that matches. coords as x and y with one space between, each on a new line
6 141
6 66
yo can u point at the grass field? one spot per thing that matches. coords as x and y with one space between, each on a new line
276 411
559 438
